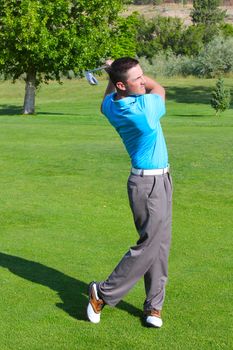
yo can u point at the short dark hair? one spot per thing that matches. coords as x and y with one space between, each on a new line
119 68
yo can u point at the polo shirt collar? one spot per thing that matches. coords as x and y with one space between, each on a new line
124 101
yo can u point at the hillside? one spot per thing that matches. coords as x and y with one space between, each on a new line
172 10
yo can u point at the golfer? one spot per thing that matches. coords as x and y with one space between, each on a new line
133 104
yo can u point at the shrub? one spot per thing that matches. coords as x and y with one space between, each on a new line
168 64
226 30
215 59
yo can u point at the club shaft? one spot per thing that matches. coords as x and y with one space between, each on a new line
95 69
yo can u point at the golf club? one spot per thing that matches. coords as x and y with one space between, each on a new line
90 77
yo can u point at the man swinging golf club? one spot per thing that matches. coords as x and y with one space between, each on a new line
133 104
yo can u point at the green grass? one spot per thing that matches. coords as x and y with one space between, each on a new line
65 221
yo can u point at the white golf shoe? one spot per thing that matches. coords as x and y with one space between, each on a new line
95 304
153 318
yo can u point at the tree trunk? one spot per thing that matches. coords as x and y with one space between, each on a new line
30 92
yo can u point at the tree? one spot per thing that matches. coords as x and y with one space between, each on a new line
221 97
41 40
207 12
192 40
159 34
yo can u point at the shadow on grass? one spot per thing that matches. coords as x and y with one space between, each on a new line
54 113
192 115
10 110
191 94
73 292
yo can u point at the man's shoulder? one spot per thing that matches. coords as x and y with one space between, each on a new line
106 103
109 97
148 100
151 97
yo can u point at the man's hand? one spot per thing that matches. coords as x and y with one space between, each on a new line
108 64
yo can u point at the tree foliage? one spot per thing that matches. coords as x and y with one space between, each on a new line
192 40
42 39
159 34
207 12
170 34
216 58
221 97
123 36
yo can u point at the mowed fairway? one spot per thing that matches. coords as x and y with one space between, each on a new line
65 221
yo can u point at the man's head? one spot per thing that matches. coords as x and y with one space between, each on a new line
127 76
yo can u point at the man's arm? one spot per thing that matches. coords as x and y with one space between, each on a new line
110 88
152 87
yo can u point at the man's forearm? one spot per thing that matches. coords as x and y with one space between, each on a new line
109 89
152 87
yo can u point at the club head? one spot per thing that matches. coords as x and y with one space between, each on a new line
90 78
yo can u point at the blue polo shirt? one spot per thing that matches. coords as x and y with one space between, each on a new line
137 120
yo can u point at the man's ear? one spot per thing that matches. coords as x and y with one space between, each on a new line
120 86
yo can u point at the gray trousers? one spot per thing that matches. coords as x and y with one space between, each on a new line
150 199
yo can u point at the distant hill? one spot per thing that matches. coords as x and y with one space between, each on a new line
169 9
143 2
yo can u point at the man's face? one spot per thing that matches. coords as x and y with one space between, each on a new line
135 82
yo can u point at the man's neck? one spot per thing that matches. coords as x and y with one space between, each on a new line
120 95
